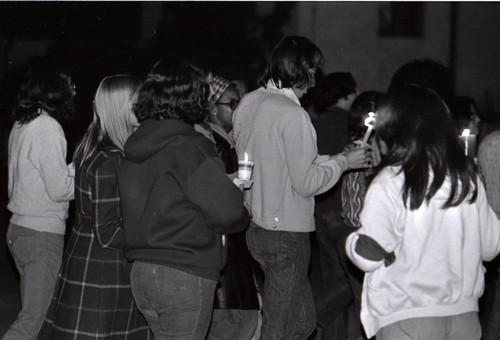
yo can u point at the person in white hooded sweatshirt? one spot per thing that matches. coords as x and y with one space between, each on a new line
426 227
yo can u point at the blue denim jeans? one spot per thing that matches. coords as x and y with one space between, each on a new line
288 306
176 305
455 327
38 257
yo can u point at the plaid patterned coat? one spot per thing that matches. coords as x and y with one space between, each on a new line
92 299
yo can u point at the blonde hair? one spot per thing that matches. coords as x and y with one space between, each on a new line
113 118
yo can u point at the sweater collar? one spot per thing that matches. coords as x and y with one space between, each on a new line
286 91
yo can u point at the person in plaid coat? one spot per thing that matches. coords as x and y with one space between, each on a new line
93 298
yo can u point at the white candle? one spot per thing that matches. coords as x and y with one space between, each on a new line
466 134
369 122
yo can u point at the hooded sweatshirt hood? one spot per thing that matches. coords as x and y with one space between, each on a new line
153 135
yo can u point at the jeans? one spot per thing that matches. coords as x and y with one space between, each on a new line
233 324
288 306
176 305
38 257
456 327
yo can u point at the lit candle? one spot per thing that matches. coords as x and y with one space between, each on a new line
245 168
369 122
465 135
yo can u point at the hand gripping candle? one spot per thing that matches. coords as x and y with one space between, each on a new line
370 123
245 168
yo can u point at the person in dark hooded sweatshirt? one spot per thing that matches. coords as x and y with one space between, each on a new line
177 204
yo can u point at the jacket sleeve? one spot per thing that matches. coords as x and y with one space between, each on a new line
379 220
310 176
107 220
220 201
48 155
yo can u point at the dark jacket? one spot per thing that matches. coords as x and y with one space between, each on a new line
176 199
332 137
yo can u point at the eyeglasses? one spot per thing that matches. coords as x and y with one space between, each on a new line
233 104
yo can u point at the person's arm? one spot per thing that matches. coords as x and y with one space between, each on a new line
372 246
48 155
310 176
107 222
220 201
489 227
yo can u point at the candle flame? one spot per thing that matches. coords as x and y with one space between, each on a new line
246 157
370 120
466 133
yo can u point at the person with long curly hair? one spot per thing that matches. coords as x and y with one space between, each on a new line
177 204
40 186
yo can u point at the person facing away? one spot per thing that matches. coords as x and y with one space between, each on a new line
93 297
177 203
426 227
332 99
236 306
275 132
40 186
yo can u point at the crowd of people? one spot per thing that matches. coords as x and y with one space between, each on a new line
170 243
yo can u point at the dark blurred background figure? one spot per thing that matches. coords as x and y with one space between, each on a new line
464 113
425 72
236 306
331 99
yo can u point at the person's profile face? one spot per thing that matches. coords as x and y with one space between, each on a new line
225 107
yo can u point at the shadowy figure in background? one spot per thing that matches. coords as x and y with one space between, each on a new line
276 133
93 296
40 187
332 99
463 111
354 185
177 203
424 72
236 306
488 158
426 227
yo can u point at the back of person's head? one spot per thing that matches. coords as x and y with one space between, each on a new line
292 62
424 72
415 124
173 90
462 110
333 87
113 120
364 103
45 87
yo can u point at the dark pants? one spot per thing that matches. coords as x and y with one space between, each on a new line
288 306
176 304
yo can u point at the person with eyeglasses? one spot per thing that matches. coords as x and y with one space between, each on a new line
236 306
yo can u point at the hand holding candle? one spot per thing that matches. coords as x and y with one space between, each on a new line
245 168
469 141
370 123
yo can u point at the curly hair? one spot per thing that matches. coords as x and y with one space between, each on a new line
290 62
173 90
45 87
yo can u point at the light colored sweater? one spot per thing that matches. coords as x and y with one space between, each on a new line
277 135
438 269
41 184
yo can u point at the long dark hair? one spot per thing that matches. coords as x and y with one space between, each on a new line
173 90
416 125
45 87
290 62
